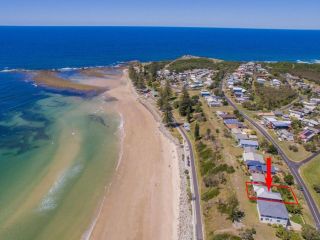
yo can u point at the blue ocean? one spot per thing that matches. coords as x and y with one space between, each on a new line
53 145
57 47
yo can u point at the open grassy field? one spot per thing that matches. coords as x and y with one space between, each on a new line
311 175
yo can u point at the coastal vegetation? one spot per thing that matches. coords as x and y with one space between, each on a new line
190 63
302 70
269 98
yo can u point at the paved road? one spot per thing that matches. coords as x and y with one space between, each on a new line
198 219
293 166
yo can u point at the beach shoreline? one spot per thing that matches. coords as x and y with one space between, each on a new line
143 199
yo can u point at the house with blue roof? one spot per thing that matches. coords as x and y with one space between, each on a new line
231 121
249 143
255 167
273 212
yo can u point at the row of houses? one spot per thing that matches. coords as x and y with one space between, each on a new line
211 99
270 206
194 79
283 127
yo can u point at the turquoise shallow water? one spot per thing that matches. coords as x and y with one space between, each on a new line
57 154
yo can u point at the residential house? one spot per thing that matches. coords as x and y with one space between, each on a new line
241 136
275 83
307 134
252 156
205 94
273 212
261 81
249 143
275 124
231 121
257 178
263 194
255 167
236 131
296 114
310 122
285 135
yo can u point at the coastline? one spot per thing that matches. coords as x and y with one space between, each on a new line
141 202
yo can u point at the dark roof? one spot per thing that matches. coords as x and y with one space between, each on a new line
231 121
272 209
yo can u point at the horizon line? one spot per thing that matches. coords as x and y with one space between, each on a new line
159 26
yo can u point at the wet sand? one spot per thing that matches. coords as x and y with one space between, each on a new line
142 201
51 79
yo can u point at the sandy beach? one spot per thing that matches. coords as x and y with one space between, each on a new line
143 199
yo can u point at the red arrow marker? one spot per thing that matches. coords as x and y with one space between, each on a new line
269 176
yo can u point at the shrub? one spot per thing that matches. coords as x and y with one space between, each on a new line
310 233
211 193
293 148
289 179
316 187
225 236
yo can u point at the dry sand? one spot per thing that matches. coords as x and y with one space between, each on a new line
143 199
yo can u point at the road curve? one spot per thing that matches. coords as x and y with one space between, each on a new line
293 166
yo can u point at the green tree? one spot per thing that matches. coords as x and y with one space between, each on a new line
197 131
185 102
167 114
167 91
289 179
272 149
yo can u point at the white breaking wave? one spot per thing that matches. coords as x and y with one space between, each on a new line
122 136
50 200
317 61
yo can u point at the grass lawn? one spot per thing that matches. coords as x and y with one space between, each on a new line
294 156
311 175
297 219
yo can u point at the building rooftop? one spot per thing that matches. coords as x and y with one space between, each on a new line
263 192
272 209
258 177
249 142
253 157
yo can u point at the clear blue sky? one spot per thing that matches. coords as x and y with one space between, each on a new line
296 14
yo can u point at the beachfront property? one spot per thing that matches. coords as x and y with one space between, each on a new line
258 178
273 212
249 143
252 156
240 136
